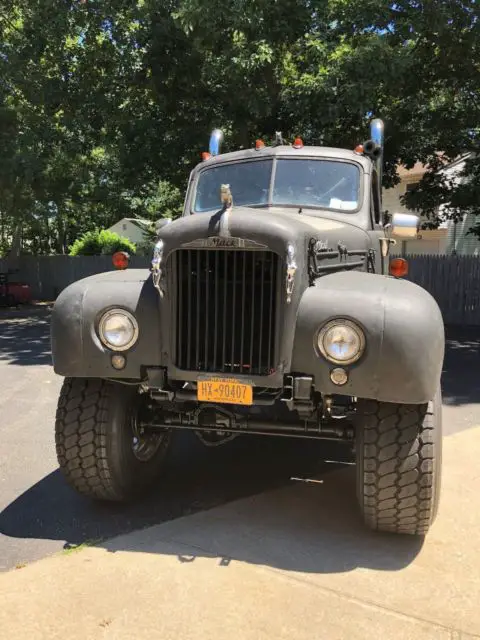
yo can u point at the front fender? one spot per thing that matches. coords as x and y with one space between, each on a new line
405 338
76 348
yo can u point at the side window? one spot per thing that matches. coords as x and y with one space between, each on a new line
375 207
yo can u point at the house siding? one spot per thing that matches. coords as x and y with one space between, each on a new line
391 197
132 232
459 242
429 243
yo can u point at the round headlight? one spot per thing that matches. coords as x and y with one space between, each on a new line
341 341
118 329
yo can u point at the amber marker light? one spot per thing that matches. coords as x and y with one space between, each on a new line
120 259
297 143
398 267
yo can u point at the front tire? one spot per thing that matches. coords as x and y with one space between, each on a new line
399 458
99 448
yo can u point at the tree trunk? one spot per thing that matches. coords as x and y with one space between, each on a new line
13 256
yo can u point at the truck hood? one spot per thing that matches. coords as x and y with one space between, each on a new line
275 229
309 248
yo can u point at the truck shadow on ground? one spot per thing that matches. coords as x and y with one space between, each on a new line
300 525
462 355
25 336
307 527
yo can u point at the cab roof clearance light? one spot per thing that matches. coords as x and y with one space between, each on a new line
297 143
259 144
206 156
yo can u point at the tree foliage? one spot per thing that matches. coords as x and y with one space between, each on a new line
105 105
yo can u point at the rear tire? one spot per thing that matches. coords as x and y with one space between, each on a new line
399 458
96 439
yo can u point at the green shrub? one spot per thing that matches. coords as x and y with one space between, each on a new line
101 243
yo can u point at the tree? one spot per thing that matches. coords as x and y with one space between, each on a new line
105 105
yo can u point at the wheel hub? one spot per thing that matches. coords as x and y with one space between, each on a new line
145 442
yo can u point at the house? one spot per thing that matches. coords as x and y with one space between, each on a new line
428 242
134 229
459 242
449 238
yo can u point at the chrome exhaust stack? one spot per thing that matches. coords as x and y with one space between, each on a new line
373 148
377 135
216 139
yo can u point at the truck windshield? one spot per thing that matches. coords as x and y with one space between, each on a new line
300 182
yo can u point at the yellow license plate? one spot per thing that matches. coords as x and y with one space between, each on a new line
224 391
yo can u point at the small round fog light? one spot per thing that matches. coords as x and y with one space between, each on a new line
118 361
339 376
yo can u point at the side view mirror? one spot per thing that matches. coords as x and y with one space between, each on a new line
404 225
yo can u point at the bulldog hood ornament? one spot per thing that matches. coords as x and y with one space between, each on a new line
227 201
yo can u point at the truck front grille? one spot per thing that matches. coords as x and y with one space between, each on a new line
226 310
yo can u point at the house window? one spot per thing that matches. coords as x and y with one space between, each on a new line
124 226
411 186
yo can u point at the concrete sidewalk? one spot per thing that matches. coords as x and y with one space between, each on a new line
293 563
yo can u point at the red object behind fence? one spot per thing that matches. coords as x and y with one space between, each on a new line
21 293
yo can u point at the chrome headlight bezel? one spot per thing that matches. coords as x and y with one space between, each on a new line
342 322
101 329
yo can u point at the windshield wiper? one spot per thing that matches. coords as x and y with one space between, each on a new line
339 183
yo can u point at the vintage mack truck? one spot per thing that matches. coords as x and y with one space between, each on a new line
272 307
